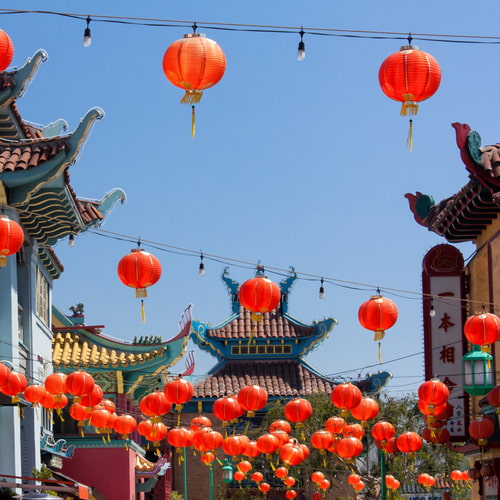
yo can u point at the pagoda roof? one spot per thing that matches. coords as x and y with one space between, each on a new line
34 166
466 214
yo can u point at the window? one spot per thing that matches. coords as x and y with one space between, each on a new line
42 297
20 327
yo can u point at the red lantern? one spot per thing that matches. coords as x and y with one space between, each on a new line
56 383
354 430
252 398
289 481
200 421
178 392
267 443
493 397
298 410
281 472
389 481
436 436
15 386
482 329
282 436
456 475
345 396
244 466
238 475
426 480
11 233
207 458
259 295
100 418
324 484
264 487
79 412
335 425
235 445
140 270
79 383
6 50
378 315
157 433
353 478
94 398
251 449
34 393
409 442
358 486
4 374
317 495
180 437
211 440
281 425
197 435
291 454
433 392
291 494
155 404
481 429
349 447
226 409
108 405
317 476
257 477
382 430
322 440
144 427
125 425
367 409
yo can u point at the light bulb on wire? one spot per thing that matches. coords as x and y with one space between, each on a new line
87 40
322 290
71 240
201 268
432 311
301 53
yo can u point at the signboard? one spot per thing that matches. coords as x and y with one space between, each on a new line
444 342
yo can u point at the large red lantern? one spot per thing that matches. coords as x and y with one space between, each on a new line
125 425
433 393
235 445
354 430
180 437
93 398
199 422
55 383
353 478
4 374
226 409
259 295
298 410
194 63
378 314
335 425
345 396
157 433
481 429
34 393
409 442
252 398
15 385
197 435
211 440
155 404
11 233
79 412
482 329
267 443
317 476
291 454
322 440
139 269
383 430
349 447
79 383
280 425
251 449
367 409
6 50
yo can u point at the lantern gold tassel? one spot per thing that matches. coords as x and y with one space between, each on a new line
143 312
379 353
192 96
409 140
409 106
193 121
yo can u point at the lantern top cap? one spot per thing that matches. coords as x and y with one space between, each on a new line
194 35
409 47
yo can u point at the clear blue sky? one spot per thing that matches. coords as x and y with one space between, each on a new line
298 164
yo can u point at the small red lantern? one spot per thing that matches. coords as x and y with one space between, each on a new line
317 476
144 427
100 418
282 436
349 447
481 429
211 440
281 425
317 495
289 481
389 481
197 435
79 383
367 409
79 412
140 270
456 475
382 430
322 440
244 466
378 315
207 458
281 472
252 398
11 233
264 487
291 494
251 449
108 405
335 425
358 486
345 396
298 410
482 329
353 478
157 433
409 442
426 480
226 409
56 384
125 425
291 454
354 430
267 443
433 393
324 484
493 397
257 477
239 475
259 295
178 391
6 50
34 393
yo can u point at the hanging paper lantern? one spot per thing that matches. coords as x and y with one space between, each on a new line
426 480
345 396
155 404
436 436
264 487
335 425
409 442
199 422
298 410
211 440
252 398
322 440
144 427
100 418
125 425
207 458
289 481
140 270
239 476
194 63
378 315
157 433
367 409
317 476
251 449
56 383
6 50
180 437
358 486
354 430
34 393
290 494
433 392
324 484
227 409
108 405
291 454
178 391
281 472
257 477
94 398
244 466
197 435
282 436
79 412
353 478
259 295
483 329
4 374
281 425
15 385
481 429
305 450
235 445
389 481
382 430
349 447
79 383
267 443
11 233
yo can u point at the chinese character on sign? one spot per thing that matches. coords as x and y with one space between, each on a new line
445 322
447 354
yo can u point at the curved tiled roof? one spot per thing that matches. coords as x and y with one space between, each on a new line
69 350
273 325
283 378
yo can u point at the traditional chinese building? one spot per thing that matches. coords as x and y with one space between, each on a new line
116 467
269 353
35 191
453 291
